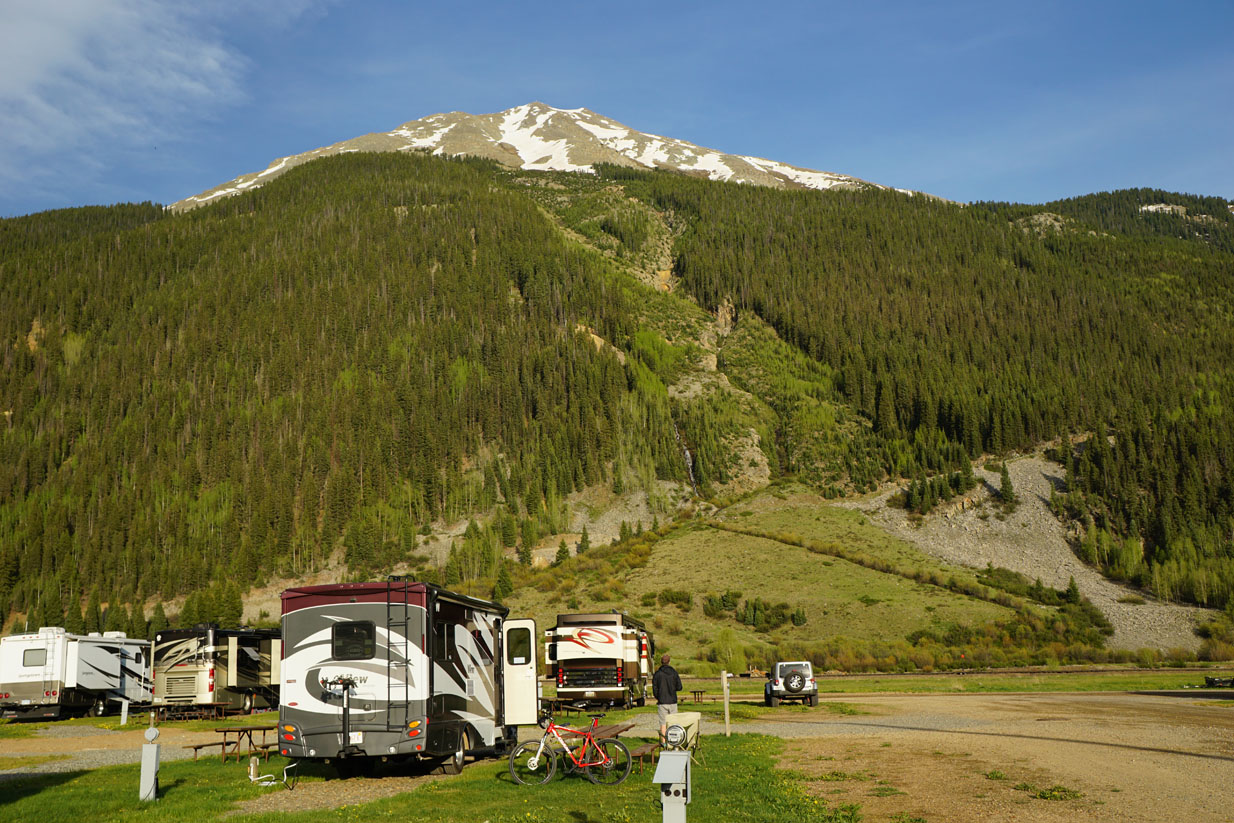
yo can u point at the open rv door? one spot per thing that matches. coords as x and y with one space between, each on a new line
520 699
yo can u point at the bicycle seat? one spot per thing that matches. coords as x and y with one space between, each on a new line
597 716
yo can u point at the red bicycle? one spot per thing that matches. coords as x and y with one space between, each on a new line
605 761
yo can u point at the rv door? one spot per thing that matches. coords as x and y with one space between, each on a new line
518 666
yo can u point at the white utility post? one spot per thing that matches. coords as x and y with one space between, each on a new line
728 729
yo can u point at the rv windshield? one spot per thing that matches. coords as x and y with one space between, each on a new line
354 641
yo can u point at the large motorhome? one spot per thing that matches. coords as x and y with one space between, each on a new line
206 664
600 659
402 670
50 672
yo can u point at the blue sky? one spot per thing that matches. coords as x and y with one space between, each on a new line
103 101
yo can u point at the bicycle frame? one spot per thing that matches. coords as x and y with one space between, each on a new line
588 742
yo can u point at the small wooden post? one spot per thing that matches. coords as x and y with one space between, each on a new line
728 729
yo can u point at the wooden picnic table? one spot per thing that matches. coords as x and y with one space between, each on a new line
233 736
614 730
697 694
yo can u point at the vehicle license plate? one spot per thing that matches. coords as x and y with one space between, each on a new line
355 738
589 694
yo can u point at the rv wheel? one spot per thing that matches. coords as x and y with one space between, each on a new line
455 762
99 708
248 703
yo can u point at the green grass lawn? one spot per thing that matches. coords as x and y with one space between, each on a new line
737 782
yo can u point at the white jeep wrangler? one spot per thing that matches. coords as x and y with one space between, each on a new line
790 681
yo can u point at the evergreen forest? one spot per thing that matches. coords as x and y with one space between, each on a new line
374 346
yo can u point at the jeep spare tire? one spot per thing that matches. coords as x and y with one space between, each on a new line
795 681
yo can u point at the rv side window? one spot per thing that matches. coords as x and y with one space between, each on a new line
34 657
354 641
518 646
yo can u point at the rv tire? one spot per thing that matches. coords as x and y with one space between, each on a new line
248 702
455 762
99 709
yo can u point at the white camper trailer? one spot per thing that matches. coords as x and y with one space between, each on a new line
402 671
206 664
49 672
600 659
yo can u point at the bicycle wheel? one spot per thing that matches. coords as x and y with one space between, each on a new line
529 769
618 765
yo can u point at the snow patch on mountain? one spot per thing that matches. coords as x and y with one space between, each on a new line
541 137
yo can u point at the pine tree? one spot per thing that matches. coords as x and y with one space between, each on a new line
94 613
563 554
74 623
137 626
584 542
117 619
158 619
524 554
505 585
1006 492
231 607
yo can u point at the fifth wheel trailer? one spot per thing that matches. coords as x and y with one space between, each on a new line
206 664
50 672
402 670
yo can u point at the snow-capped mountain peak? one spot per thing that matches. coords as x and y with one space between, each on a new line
537 136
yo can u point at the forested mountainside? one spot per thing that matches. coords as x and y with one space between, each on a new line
373 346
985 328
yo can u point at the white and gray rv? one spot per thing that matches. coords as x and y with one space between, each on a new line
402 670
50 672
600 659
206 664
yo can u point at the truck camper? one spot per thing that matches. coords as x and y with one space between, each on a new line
402 670
600 659
50 672
206 664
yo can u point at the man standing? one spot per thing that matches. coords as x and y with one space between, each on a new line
664 686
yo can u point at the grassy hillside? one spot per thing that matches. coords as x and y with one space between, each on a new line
866 601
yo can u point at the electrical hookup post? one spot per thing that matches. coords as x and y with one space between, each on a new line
148 788
728 728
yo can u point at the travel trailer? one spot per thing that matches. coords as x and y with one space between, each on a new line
600 659
50 672
402 670
206 664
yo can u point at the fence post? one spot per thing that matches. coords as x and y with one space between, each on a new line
728 730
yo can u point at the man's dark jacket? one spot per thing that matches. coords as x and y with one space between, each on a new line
665 684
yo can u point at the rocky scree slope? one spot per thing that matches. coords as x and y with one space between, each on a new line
1032 541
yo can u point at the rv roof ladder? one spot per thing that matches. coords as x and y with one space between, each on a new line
398 627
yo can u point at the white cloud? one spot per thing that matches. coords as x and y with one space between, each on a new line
80 79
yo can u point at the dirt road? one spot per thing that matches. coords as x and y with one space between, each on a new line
973 757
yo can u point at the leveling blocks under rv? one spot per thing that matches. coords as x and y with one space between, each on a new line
402 670
49 672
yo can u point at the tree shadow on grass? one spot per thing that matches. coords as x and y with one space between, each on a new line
15 787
